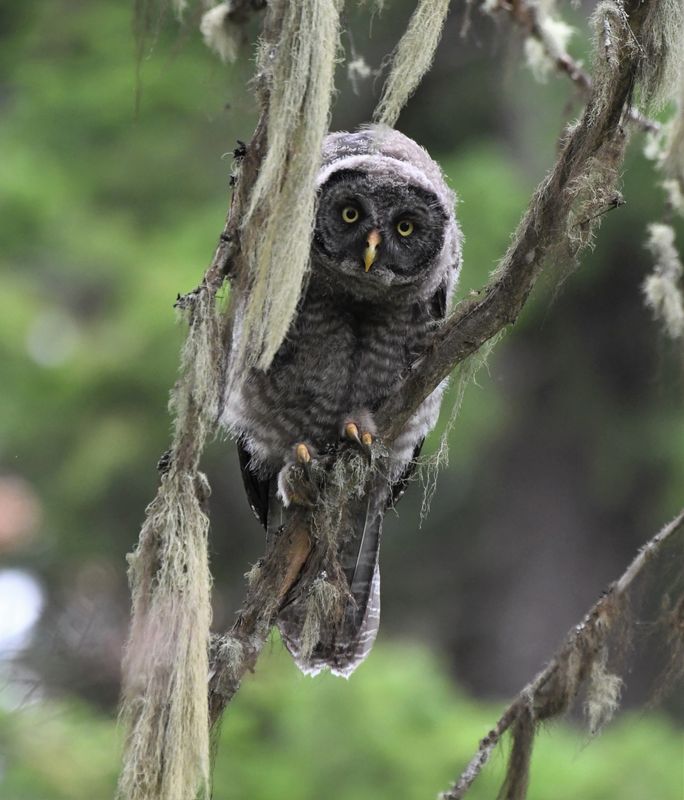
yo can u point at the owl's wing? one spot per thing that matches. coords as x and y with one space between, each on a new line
437 307
257 489
439 302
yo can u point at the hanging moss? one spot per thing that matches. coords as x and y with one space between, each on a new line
166 662
412 58
662 288
278 224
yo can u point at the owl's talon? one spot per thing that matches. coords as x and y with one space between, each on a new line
303 458
297 480
302 454
363 441
351 431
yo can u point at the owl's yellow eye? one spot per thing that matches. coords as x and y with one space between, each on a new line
405 227
350 214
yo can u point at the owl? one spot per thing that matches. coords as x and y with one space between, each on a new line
385 257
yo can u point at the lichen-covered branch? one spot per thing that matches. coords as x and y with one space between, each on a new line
557 223
165 700
548 35
579 660
164 706
273 576
297 71
229 260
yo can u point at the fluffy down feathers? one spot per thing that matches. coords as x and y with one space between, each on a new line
355 333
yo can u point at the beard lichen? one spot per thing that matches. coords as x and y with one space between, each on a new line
412 58
430 466
603 694
662 288
166 662
296 75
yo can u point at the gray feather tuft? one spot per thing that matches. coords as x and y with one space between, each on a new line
354 335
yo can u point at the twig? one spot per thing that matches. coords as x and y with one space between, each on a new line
527 16
581 638
228 260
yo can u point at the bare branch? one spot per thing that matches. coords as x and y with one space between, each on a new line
583 641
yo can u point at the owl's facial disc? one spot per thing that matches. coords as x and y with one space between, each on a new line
377 232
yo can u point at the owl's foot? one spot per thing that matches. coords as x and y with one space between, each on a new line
363 440
360 430
302 453
297 480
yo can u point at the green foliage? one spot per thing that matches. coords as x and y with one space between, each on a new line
108 214
487 217
397 729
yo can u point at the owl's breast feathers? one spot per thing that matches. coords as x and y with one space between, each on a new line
344 355
341 356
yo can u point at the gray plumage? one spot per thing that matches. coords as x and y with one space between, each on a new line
357 329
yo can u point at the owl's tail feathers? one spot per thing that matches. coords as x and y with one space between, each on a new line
342 646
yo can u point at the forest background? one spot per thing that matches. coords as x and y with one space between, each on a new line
568 453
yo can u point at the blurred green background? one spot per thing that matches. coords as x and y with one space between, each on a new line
569 451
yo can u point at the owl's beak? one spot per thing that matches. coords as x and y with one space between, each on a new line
371 250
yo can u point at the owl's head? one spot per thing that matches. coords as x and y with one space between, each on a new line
385 223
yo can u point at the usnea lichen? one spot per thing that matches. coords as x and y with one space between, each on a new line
166 662
297 72
603 694
219 33
412 59
166 659
430 466
548 44
662 289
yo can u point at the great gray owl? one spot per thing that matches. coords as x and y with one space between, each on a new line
385 257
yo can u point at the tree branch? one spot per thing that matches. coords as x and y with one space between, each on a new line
527 16
543 229
228 260
551 692
235 653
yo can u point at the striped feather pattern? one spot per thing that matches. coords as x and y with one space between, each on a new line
352 339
